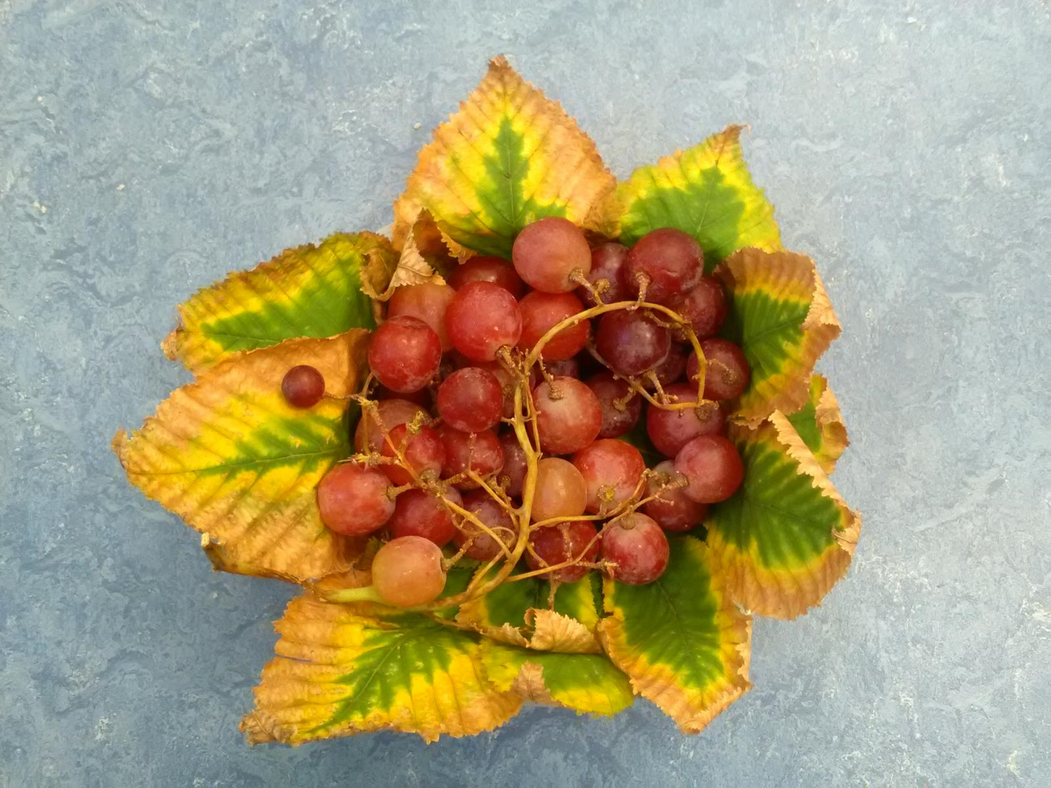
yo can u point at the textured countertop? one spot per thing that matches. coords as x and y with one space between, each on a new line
146 148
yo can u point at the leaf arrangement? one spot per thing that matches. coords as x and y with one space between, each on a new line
241 466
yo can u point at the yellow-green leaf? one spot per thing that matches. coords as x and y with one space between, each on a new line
705 191
309 291
681 639
231 457
338 672
510 156
820 424
786 536
781 317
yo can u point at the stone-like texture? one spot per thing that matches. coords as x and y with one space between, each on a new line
147 148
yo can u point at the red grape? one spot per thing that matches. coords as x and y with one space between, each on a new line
606 262
612 470
638 547
405 354
424 451
704 307
560 490
620 407
369 435
470 399
670 430
712 467
303 386
408 571
421 513
562 368
672 509
353 499
481 451
727 374
427 302
670 260
548 251
541 312
556 544
507 385
483 546
674 364
630 342
487 269
513 474
481 319
568 415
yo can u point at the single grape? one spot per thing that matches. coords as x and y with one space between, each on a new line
560 490
487 269
548 251
621 407
673 366
369 435
728 372
427 302
423 450
405 354
704 307
470 399
668 260
672 509
541 312
303 386
480 451
606 262
638 547
481 319
491 514
556 544
513 474
354 499
569 416
612 470
507 385
670 430
408 571
712 467
630 342
421 513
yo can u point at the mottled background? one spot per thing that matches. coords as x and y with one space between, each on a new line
148 147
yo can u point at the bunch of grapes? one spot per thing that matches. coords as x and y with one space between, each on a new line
492 418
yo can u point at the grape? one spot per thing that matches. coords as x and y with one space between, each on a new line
303 386
541 312
470 399
560 490
556 544
672 510
568 415
408 571
712 467
487 269
483 546
670 430
405 354
638 547
562 368
704 307
548 251
353 499
728 373
507 385
669 259
620 407
390 413
427 302
606 262
630 342
674 364
421 513
513 474
479 450
611 469
424 452
481 319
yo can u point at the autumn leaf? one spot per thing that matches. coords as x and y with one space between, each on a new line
820 424
423 258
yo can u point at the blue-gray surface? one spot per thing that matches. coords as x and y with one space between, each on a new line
147 148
